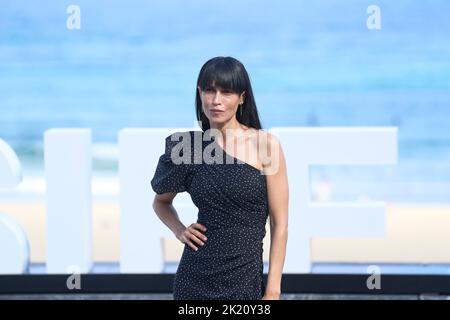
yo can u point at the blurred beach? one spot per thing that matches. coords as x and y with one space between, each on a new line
311 64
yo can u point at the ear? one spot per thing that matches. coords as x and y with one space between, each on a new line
243 96
199 90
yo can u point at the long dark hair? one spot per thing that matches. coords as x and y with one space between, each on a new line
227 73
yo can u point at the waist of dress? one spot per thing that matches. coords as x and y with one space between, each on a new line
239 228
233 238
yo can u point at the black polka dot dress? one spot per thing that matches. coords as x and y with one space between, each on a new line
231 197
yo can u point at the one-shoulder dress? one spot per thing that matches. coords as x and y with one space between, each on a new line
232 203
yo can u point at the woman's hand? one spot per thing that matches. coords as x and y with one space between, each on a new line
192 236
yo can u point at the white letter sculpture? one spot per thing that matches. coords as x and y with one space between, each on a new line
14 248
68 168
330 146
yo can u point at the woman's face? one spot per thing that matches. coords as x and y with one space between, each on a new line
220 105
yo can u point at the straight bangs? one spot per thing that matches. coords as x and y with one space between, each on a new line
221 75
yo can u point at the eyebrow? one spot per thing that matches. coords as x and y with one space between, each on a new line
218 88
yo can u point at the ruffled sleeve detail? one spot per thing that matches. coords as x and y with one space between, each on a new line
173 171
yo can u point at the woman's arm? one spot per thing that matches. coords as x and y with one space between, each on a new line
278 198
162 204
164 209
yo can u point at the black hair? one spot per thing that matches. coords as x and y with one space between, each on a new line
227 73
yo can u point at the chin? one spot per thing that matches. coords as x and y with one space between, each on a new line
218 120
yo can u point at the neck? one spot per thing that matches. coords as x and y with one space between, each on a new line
232 126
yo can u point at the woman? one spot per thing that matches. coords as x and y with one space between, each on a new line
235 194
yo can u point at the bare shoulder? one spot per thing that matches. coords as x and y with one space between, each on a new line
270 152
267 139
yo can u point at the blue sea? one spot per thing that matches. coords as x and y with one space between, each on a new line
312 63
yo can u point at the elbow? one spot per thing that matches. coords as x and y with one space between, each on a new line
159 200
279 224
279 228
156 204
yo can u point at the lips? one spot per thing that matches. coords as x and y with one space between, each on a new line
216 110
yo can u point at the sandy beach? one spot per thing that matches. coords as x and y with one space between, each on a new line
415 233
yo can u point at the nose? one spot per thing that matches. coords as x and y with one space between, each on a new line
216 97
